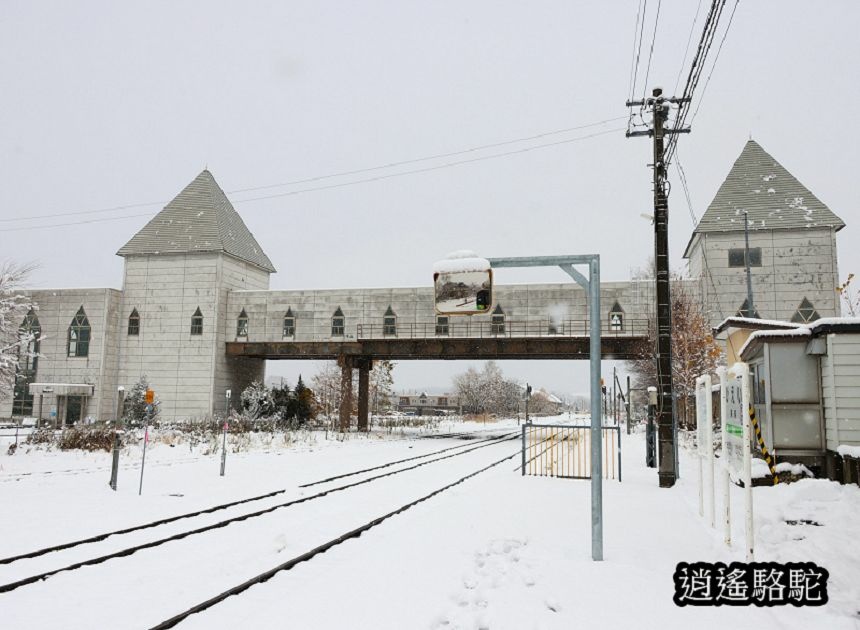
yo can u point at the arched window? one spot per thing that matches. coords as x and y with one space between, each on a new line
29 334
616 318
134 323
744 311
197 322
79 335
242 324
441 324
805 313
389 322
337 323
497 326
289 323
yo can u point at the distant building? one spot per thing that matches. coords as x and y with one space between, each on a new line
422 404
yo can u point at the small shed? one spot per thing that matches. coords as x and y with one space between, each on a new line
805 387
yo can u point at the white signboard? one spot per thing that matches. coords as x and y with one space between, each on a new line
734 426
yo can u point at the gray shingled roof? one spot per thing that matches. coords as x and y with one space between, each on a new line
771 195
199 219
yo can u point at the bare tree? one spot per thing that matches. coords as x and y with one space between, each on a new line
326 385
487 391
16 341
850 297
694 350
381 383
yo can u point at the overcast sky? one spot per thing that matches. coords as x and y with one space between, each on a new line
111 104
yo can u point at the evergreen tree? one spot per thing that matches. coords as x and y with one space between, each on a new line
305 402
134 407
281 401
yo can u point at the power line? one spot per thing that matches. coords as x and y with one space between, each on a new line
651 53
430 157
683 177
435 168
696 68
687 49
351 183
716 59
331 175
637 36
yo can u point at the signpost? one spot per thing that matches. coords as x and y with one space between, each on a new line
705 442
738 434
114 469
227 395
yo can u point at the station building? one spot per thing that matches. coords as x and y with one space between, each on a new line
195 278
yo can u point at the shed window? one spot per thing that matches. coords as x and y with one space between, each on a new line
497 326
736 257
389 323
242 324
134 323
289 323
805 313
337 323
197 322
79 335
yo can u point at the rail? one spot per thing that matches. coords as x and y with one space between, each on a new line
466 327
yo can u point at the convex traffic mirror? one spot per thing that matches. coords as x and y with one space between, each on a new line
463 284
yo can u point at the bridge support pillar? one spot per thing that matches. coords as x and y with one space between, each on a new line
345 363
364 365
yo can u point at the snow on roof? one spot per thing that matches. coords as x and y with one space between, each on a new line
812 329
848 451
461 260
754 323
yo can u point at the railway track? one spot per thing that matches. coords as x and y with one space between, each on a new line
312 553
128 551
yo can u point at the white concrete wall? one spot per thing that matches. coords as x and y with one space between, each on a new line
795 264
840 385
166 290
56 310
233 373
413 307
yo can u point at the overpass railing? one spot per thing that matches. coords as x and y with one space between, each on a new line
466 327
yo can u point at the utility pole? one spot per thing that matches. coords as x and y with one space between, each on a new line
750 307
660 106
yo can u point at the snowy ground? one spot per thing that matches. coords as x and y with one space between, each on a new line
497 551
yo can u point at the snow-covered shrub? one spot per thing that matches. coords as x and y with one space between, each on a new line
134 407
257 400
87 438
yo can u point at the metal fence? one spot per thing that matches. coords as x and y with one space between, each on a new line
467 327
552 450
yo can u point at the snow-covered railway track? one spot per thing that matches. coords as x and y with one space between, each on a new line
128 551
312 553
223 506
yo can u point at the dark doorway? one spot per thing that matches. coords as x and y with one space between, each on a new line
74 409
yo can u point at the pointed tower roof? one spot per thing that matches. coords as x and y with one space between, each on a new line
199 219
772 196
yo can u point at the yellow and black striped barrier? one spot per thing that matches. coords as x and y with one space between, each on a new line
761 445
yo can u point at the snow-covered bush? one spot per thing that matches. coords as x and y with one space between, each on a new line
134 408
257 400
